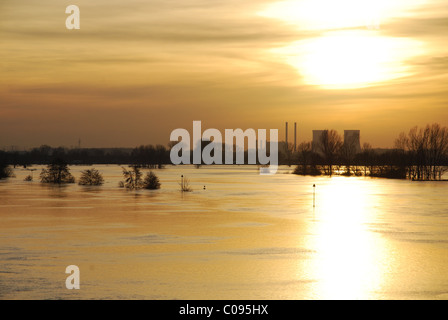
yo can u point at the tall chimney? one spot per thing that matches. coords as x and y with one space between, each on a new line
286 139
295 136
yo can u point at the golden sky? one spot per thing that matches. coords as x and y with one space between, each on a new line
138 69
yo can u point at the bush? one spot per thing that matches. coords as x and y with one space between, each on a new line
57 172
91 177
151 181
5 171
28 178
185 185
133 178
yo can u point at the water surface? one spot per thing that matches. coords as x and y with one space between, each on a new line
244 236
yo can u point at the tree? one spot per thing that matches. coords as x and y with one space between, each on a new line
91 177
133 178
162 155
426 150
366 157
331 143
150 156
5 171
306 159
151 181
437 150
348 151
57 172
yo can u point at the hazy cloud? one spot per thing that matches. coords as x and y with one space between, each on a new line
163 63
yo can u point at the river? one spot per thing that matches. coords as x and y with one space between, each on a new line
237 235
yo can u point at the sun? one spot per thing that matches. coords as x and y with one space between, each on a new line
346 47
350 59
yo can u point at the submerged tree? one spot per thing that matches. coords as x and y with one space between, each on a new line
185 184
151 181
57 172
150 156
91 177
330 144
5 170
306 158
132 178
426 150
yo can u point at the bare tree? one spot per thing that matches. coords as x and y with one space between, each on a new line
348 153
331 143
289 152
133 178
366 157
426 148
306 164
437 149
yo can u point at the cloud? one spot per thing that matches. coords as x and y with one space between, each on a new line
164 63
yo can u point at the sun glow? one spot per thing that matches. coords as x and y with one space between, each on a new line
337 14
350 59
344 46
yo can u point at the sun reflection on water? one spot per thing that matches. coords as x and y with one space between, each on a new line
349 257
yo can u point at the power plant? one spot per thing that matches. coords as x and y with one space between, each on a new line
352 140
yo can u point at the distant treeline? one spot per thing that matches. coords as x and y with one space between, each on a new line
45 154
422 154
144 156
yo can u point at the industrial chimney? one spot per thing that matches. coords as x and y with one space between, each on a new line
295 136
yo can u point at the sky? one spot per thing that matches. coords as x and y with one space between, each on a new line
136 70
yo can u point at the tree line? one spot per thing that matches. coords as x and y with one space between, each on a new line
420 154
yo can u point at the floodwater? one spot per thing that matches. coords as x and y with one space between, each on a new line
245 236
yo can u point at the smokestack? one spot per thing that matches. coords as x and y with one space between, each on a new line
286 139
295 136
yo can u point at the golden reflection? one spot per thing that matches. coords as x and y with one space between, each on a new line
349 257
